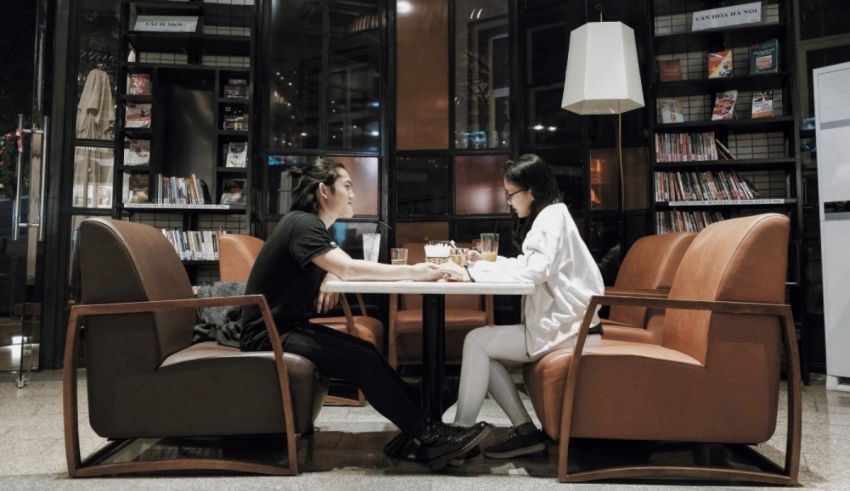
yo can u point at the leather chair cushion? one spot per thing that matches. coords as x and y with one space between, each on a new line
237 254
219 391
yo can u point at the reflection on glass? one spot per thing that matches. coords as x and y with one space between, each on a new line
422 186
605 178
354 76
349 236
92 177
98 33
482 74
406 232
548 124
568 168
469 231
295 72
479 187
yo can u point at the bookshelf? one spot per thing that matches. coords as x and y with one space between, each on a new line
197 90
764 149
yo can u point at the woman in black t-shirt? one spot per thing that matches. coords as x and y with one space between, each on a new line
290 270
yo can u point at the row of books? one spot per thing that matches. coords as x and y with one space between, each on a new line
193 245
671 109
684 221
764 58
181 190
702 186
685 147
138 152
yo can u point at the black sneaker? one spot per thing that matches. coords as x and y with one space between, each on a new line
525 439
459 461
439 443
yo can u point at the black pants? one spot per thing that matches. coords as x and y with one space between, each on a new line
339 355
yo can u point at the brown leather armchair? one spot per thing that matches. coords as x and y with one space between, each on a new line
236 256
715 376
647 269
145 378
463 313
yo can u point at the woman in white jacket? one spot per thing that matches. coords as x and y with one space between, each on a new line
556 260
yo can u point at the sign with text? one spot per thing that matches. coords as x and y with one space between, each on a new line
745 13
166 23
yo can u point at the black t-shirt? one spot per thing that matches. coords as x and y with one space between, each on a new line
285 274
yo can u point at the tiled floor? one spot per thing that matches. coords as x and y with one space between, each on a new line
346 451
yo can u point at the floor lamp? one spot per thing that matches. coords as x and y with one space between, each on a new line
603 77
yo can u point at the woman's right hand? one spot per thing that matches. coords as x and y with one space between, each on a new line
473 255
426 272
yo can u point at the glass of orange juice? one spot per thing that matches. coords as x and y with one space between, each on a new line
489 247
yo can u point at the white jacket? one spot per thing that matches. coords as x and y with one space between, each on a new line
555 258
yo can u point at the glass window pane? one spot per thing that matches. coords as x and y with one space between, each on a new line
548 124
354 76
568 166
93 177
479 185
295 72
364 174
406 232
96 84
467 231
422 186
482 74
605 178
349 237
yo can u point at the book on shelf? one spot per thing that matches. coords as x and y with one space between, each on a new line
193 245
236 154
720 64
236 88
724 105
764 57
233 192
139 84
684 147
685 221
182 190
762 104
138 152
137 115
723 151
671 110
705 187
137 188
670 70
234 118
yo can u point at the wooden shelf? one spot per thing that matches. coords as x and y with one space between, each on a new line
184 42
233 133
138 169
182 209
740 164
762 125
232 170
763 81
138 67
136 98
200 262
723 38
753 203
234 100
137 133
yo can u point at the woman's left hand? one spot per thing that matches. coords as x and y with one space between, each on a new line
452 270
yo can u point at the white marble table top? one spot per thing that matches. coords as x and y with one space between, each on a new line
430 287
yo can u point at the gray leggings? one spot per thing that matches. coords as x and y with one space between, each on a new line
485 351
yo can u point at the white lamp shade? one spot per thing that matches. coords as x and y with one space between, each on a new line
603 76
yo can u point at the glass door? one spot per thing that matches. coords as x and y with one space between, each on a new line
21 239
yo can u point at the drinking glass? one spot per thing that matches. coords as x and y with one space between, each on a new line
398 255
489 246
371 247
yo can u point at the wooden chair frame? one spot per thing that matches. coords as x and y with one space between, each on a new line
392 348
782 476
78 467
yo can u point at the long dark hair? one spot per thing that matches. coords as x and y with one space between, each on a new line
531 172
310 175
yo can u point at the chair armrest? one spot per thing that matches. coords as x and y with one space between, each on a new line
660 292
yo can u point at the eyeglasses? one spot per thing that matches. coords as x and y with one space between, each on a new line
509 196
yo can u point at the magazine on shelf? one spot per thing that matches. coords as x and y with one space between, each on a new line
236 87
237 154
138 152
137 115
671 110
724 105
720 64
723 151
762 104
234 118
670 70
764 57
137 188
232 192
139 84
